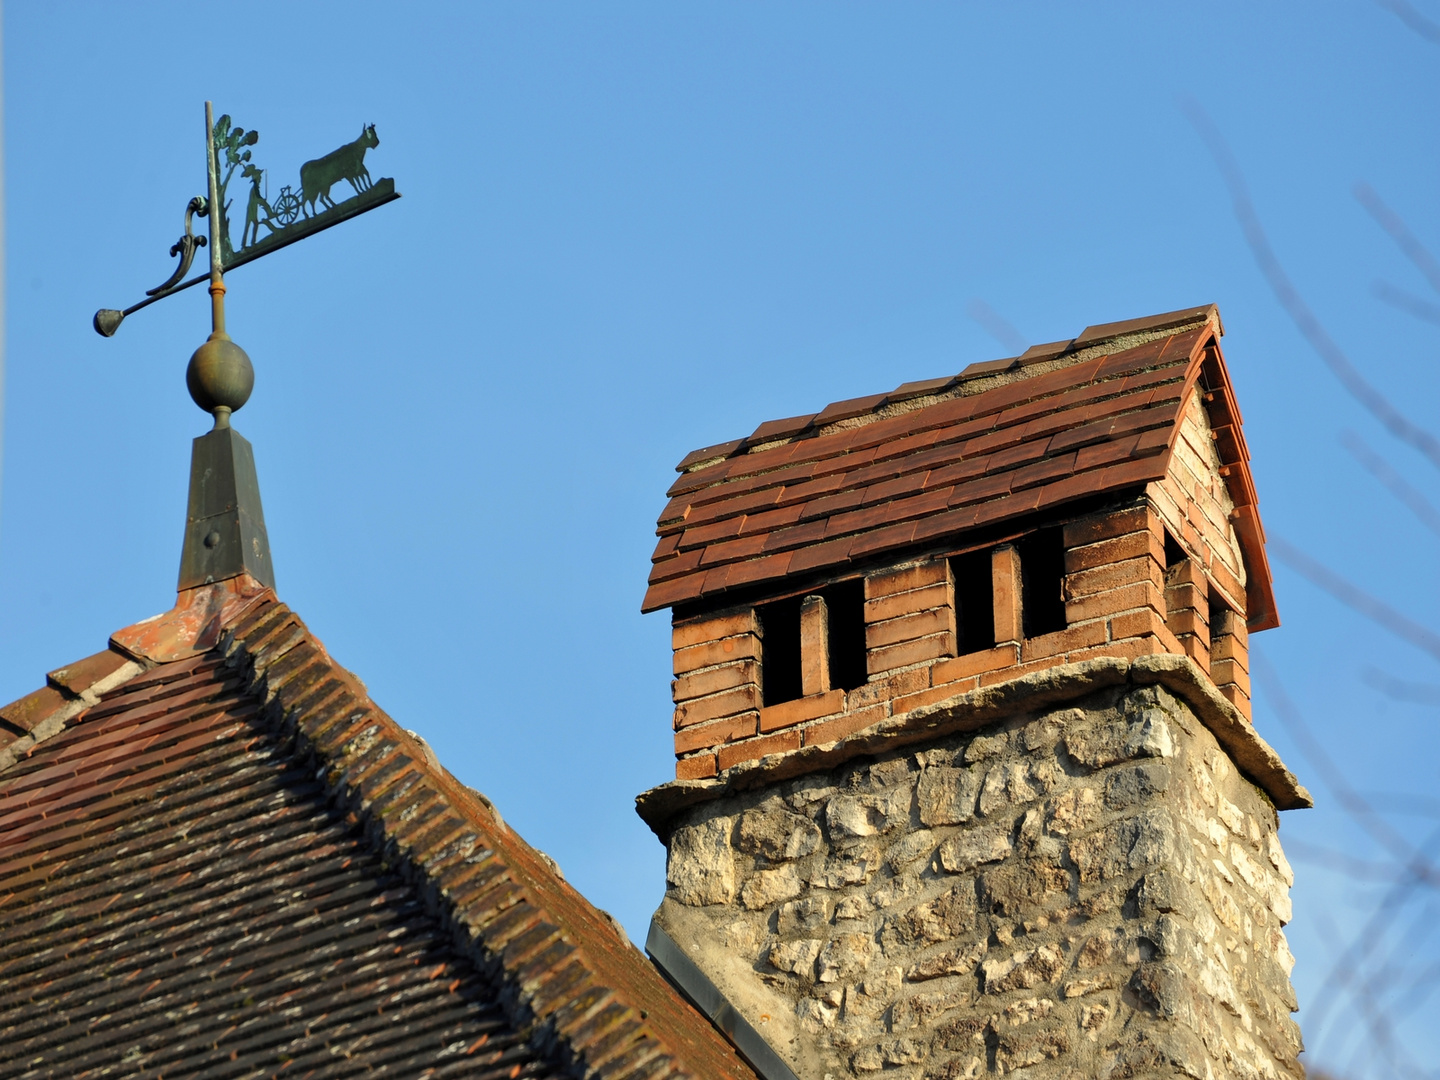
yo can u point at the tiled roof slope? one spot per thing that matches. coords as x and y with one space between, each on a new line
234 864
180 897
1002 440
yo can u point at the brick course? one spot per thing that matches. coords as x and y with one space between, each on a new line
1119 602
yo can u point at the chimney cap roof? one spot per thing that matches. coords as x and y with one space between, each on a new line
1003 439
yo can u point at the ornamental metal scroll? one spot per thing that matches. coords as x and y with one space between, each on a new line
298 210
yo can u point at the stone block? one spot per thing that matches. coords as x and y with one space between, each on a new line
701 866
971 848
777 834
944 918
946 795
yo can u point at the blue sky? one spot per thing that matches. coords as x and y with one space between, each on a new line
633 229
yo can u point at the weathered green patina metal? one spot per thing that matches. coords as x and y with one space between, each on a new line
295 213
224 523
225 533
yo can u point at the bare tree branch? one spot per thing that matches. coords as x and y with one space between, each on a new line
1396 484
1305 321
1356 599
1384 979
1426 28
1302 851
1394 802
1419 870
996 325
1411 305
1350 800
1391 222
1411 693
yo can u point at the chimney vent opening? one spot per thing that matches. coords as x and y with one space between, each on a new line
1042 582
1174 553
780 679
845 604
1219 623
974 602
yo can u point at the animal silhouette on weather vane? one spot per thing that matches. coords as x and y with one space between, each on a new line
292 216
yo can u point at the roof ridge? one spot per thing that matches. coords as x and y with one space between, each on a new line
574 982
977 378
828 504
997 409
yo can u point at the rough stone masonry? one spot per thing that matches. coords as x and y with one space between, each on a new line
1082 891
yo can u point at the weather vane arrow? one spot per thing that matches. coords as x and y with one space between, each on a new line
293 215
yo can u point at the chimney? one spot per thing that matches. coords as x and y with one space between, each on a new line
966 781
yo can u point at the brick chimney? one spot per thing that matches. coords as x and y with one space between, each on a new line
966 778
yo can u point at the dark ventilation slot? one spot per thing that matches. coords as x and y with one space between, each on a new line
845 610
1042 582
779 650
974 601
1174 553
1218 610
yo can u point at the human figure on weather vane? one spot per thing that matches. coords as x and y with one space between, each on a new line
251 233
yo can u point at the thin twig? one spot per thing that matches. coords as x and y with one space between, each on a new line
1384 977
1305 321
1398 231
1300 851
1406 302
1400 803
1418 868
1355 598
996 325
1396 484
1411 693
1426 28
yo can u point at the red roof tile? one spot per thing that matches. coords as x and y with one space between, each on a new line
779 429
231 861
1100 423
845 410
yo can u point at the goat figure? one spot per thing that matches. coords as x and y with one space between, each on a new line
347 163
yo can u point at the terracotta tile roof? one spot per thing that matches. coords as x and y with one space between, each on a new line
1002 440
230 862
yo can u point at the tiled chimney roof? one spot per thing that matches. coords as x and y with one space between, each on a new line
1095 415
218 856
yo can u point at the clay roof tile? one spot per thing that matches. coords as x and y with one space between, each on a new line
1094 422
779 429
845 410
292 854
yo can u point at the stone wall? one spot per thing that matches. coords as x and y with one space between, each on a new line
1086 891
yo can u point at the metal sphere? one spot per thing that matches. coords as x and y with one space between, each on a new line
220 375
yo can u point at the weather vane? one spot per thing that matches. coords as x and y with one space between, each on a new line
225 528
293 215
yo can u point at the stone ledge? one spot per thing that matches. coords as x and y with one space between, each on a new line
987 705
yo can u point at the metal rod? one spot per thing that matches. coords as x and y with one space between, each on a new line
291 235
217 273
